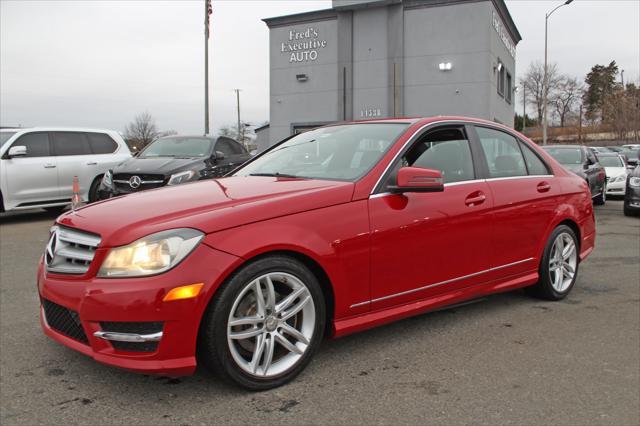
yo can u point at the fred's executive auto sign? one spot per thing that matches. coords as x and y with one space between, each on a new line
303 46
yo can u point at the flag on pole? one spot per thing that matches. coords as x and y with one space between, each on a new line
209 12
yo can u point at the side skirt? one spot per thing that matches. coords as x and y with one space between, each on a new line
358 323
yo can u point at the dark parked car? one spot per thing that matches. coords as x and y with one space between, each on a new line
174 160
582 161
632 193
633 155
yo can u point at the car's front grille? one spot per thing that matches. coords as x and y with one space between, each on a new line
70 251
130 182
64 321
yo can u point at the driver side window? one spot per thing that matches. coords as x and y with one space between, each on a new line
446 150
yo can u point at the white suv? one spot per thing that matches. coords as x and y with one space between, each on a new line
37 165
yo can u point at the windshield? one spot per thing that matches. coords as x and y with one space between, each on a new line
632 154
5 136
178 147
566 155
343 152
611 161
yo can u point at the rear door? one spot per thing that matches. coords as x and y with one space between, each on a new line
424 244
74 157
524 193
32 178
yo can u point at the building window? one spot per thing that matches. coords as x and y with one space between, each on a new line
507 94
500 74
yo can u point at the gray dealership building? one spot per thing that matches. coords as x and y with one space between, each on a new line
390 58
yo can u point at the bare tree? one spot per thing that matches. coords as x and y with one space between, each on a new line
533 82
622 112
231 131
143 130
568 91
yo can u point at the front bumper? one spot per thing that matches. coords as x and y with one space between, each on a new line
616 188
94 302
632 198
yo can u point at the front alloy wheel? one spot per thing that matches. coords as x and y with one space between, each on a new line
271 324
264 324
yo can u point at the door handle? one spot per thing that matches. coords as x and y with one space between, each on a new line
543 187
49 166
475 199
92 163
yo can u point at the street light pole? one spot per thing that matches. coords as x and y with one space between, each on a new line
545 83
207 12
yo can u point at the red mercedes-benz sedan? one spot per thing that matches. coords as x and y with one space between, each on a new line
330 232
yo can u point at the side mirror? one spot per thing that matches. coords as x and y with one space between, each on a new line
17 151
219 155
416 179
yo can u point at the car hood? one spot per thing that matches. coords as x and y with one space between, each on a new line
615 171
210 206
160 165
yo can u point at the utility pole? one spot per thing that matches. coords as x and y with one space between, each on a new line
239 125
622 78
580 126
207 12
545 88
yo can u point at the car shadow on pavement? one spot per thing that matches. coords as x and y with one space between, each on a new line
26 216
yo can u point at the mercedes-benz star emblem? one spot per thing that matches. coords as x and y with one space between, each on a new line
51 247
135 181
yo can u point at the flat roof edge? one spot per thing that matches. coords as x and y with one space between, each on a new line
316 15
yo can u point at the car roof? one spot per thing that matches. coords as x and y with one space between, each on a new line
608 154
58 129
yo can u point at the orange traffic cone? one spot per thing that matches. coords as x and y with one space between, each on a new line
76 200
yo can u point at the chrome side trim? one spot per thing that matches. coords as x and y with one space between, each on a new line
518 177
128 337
403 293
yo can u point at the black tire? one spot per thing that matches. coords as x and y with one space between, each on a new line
213 347
544 289
628 211
55 211
93 191
601 198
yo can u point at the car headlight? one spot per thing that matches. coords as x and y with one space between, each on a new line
619 178
635 182
150 255
107 179
182 177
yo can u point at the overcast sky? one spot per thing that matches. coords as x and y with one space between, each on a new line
98 63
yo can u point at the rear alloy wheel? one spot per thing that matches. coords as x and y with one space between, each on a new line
265 324
558 269
602 197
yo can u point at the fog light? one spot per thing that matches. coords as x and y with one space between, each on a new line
184 292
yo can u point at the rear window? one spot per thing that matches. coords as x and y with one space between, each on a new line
70 143
567 155
101 143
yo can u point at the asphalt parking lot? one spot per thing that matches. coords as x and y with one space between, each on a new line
508 359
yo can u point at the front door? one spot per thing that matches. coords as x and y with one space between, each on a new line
424 244
32 178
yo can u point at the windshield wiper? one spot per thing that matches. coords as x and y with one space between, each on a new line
276 174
